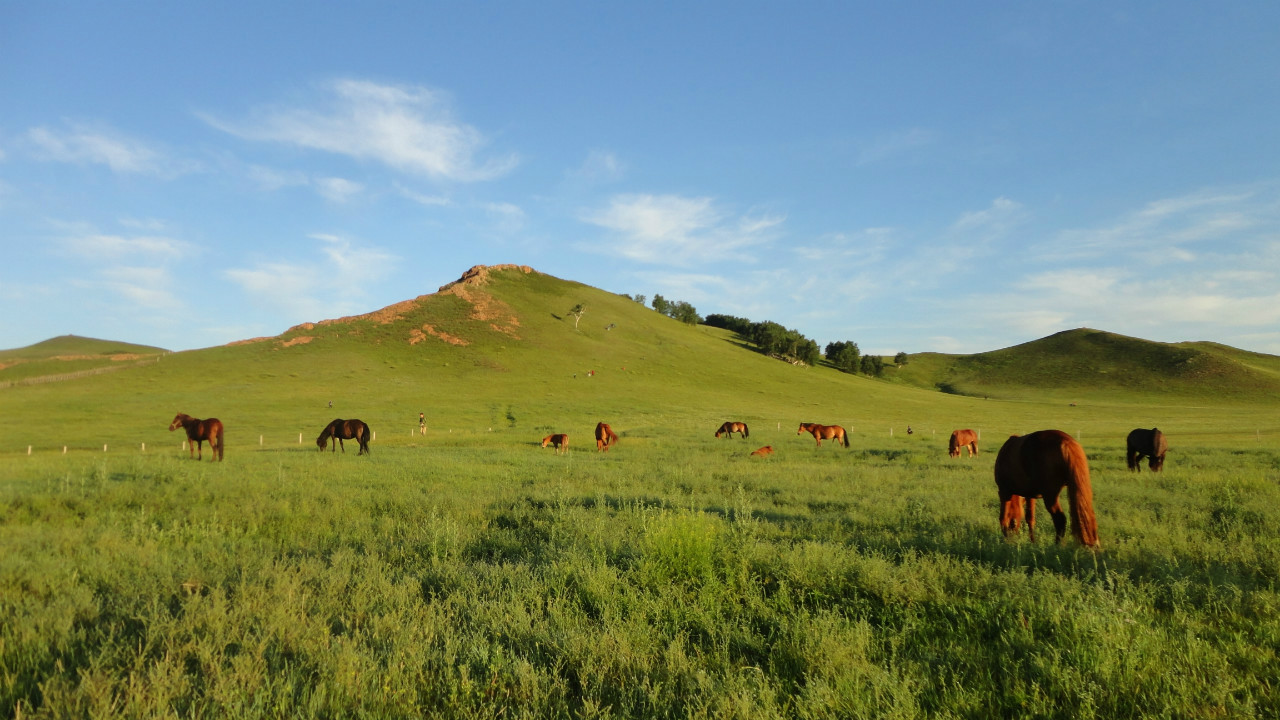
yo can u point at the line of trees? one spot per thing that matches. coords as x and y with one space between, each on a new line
772 339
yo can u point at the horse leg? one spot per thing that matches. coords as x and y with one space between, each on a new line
1010 512
344 447
1031 518
1059 518
199 449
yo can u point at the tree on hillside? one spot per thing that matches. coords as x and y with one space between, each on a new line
739 325
660 304
872 365
685 313
844 355
577 312
900 359
638 298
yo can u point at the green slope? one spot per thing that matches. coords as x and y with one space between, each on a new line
1094 364
498 356
58 357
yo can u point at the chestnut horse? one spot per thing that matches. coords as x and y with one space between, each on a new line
335 432
1146 442
824 432
605 437
765 451
963 439
560 441
730 428
197 432
1039 465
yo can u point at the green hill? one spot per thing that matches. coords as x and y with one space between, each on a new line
1093 364
498 352
69 356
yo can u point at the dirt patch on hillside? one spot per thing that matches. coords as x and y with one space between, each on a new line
416 336
484 308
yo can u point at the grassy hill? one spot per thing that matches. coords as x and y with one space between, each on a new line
70 355
1094 364
498 352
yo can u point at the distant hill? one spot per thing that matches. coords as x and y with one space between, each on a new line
68 356
1093 362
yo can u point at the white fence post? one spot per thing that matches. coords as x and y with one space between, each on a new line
144 447
28 450
299 438
104 448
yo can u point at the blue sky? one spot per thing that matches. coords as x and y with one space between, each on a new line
911 176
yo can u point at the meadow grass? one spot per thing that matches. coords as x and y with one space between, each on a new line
478 576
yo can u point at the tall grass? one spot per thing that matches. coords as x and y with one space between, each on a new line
477 577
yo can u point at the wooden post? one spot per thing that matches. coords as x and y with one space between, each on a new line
259 441
373 435
28 450
104 448
144 447
890 432
64 449
299 438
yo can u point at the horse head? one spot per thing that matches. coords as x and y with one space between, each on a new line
177 421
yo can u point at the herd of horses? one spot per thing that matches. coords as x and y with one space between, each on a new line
1036 466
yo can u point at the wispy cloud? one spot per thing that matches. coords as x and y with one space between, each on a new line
83 144
895 144
600 167
409 128
676 230
104 248
337 189
422 198
332 286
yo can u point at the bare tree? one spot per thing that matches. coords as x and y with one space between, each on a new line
577 312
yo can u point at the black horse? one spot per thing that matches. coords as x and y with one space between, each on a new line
339 430
1146 442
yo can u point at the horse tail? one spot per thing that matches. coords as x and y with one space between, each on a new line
1080 492
746 432
844 434
220 440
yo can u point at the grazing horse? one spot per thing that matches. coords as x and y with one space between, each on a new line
1039 465
198 431
335 432
605 437
765 451
824 432
1146 442
560 441
730 428
963 439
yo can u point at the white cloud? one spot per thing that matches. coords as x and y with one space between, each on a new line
146 287
601 167
272 179
895 143
97 247
333 286
422 199
337 189
82 144
996 220
675 230
409 128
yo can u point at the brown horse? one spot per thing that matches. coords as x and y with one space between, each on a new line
560 441
963 439
765 451
824 432
730 428
1146 442
605 437
1039 465
335 432
197 432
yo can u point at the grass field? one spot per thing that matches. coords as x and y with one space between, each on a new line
469 573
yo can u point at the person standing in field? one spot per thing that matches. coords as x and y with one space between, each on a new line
422 424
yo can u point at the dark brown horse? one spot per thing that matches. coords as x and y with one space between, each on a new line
824 432
730 428
765 451
963 439
197 432
605 437
1039 465
1150 443
560 441
338 430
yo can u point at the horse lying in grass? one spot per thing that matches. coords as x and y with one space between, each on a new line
560 441
765 451
198 431
824 432
1040 465
338 430
1150 443
605 437
963 439
730 428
